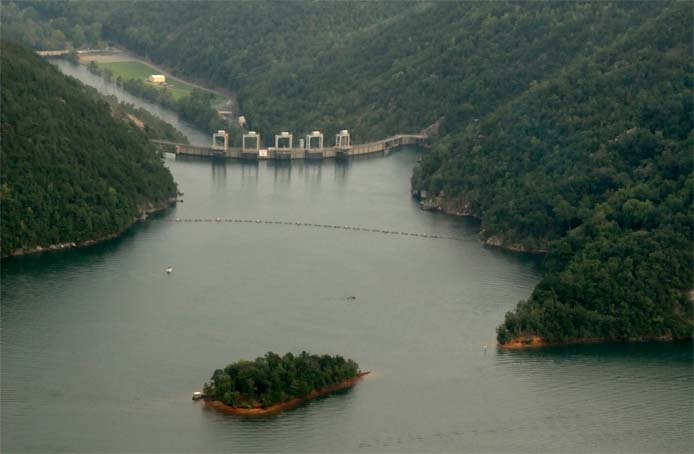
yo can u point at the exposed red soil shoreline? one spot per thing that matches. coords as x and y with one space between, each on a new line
274 409
524 342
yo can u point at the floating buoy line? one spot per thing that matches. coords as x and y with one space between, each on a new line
311 225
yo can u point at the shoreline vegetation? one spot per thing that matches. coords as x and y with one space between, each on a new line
288 405
459 207
273 383
143 215
580 148
93 173
462 208
599 180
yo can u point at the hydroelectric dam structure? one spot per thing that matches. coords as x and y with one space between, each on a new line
311 148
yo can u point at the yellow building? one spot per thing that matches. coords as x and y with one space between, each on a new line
157 79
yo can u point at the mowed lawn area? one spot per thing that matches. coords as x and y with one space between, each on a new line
138 70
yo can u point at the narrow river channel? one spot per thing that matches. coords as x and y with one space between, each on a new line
101 349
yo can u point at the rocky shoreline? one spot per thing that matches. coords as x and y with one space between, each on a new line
277 408
463 208
144 212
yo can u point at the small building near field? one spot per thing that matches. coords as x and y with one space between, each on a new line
157 79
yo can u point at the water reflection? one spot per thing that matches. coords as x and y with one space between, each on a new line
219 172
624 395
342 170
312 170
37 265
282 171
249 173
652 352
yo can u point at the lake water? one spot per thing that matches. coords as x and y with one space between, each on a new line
101 349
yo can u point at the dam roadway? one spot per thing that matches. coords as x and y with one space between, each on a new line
380 146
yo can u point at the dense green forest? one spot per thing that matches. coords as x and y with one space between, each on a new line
70 170
566 127
273 379
375 68
21 23
594 163
268 52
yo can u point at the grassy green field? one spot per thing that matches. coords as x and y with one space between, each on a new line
138 70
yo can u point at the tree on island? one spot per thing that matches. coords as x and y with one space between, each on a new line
273 379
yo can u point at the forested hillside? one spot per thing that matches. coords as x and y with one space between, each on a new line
69 170
22 24
376 68
598 159
565 127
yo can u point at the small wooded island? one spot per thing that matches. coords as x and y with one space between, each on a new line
274 383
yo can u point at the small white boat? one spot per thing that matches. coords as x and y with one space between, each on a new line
197 395
169 270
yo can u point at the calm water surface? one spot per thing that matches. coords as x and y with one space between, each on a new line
101 349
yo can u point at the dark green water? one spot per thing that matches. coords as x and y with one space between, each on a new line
101 349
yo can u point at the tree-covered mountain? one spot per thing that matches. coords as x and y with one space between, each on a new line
69 170
596 163
564 126
376 68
